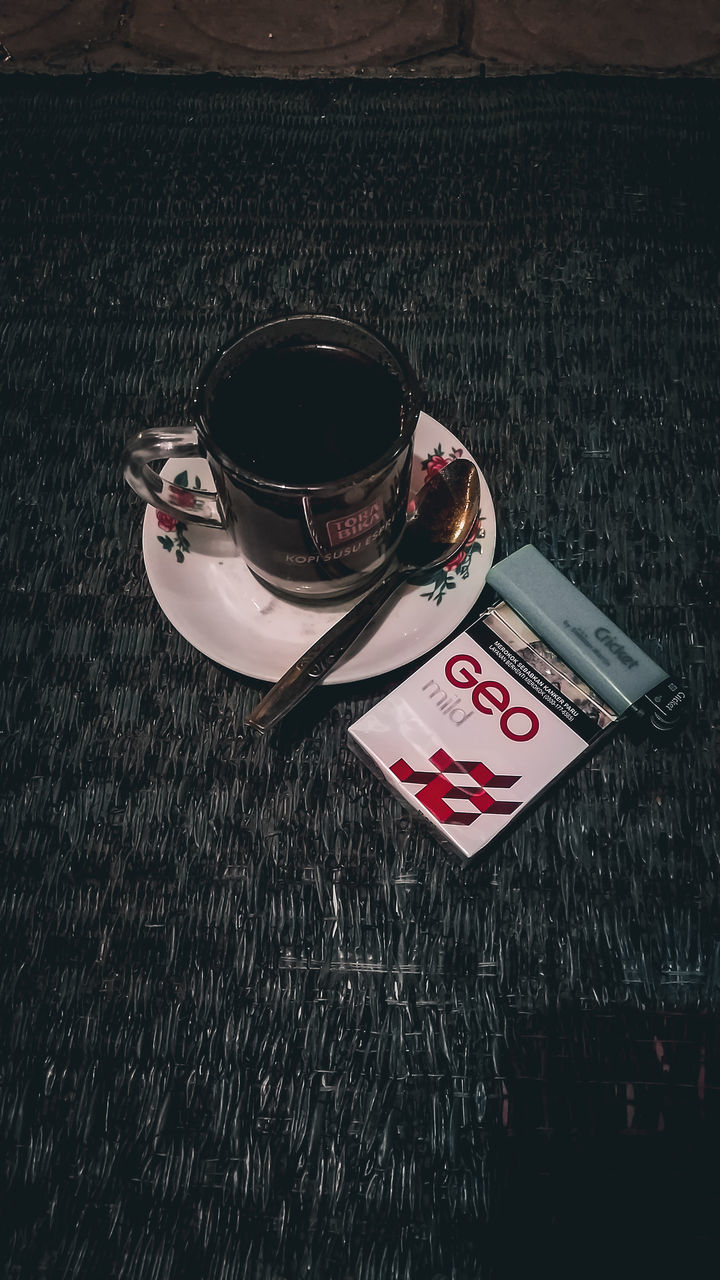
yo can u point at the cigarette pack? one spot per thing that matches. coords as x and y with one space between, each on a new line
479 732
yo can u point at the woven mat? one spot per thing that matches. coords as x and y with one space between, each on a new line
256 1024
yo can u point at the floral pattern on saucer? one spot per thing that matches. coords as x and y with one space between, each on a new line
179 493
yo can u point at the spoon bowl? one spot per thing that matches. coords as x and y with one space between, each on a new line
445 513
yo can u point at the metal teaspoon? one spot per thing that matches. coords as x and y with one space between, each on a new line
446 509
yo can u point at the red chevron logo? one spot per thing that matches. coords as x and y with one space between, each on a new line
436 788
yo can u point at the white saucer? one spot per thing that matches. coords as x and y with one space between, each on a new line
205 588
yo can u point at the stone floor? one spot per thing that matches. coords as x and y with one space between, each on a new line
370 37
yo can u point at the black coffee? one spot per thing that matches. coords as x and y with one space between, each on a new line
302 415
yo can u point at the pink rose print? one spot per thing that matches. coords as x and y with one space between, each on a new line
435 464
166 522
436 460
183 497
456 561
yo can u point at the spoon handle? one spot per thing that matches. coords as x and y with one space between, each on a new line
322 656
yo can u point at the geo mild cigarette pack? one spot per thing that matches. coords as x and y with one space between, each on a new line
496 717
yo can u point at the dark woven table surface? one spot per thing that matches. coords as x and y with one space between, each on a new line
254 1022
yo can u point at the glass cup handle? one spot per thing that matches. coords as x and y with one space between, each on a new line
198 505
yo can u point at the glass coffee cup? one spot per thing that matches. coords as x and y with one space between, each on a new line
307 424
